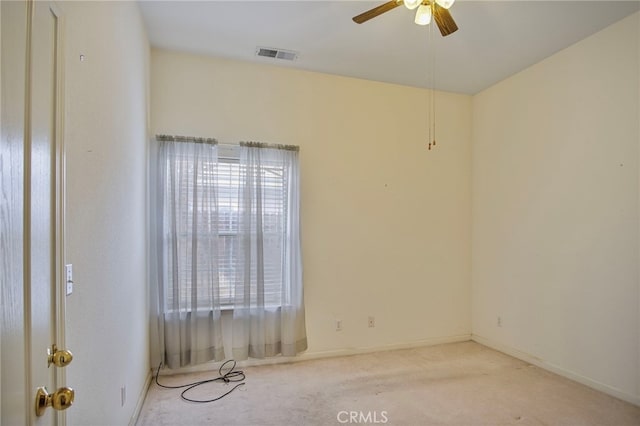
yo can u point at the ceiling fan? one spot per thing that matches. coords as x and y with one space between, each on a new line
439 9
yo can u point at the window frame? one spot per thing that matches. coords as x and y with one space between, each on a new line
230 154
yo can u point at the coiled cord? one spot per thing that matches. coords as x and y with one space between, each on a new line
230 376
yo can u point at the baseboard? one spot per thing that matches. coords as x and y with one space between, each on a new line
141 398
365 350
307 356
539 362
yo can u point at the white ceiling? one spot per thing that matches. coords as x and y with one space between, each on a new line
496 38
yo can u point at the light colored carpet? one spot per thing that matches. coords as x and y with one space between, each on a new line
454 384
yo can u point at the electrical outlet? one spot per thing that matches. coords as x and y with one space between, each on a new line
372 322
338 325
499 322
123 395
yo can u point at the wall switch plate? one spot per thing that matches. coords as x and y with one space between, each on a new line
69 278
69 272
338 325
372 322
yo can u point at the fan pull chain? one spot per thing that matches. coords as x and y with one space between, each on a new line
431 113
433 84
429 79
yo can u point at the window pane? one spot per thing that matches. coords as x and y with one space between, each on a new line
212 200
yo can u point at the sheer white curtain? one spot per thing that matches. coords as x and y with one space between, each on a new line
268 313
184 270
225 235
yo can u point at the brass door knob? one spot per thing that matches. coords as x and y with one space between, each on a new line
58 357
59 400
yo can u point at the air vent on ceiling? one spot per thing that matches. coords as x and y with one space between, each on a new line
268 52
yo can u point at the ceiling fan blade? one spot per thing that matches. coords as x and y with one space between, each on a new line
370 14
445 21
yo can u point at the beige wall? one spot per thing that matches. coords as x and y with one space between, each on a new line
385 222
105 136
555 212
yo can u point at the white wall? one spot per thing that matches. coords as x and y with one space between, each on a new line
106 142
385 222
555 212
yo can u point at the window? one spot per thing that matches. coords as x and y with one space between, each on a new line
225 233
212 201
274 207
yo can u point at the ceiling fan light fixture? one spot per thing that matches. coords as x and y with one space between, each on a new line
412 4
423 15
445 3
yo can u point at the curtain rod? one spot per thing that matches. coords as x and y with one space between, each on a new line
250 144
171 138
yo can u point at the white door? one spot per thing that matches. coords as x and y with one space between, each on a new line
46 269
41 280
12 354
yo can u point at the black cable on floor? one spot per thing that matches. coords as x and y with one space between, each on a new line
230 376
